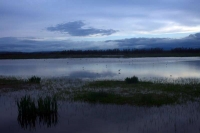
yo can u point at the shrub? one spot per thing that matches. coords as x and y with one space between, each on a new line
132 80
34 79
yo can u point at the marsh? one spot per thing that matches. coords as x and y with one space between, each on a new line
91 95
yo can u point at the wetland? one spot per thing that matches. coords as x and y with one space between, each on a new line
92 95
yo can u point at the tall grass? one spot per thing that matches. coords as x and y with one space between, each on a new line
43 110
47 105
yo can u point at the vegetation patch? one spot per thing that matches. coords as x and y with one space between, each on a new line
27 105
144 93
132 80
43 110
139 99
11 83
34 79
8 84
10 80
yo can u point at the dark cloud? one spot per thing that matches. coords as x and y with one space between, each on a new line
32 45
192 41
76 28
194 36
12 44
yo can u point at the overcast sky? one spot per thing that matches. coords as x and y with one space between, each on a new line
95 21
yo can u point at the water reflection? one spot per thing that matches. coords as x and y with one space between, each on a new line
31 114
29 122
185 67
86 118
88 74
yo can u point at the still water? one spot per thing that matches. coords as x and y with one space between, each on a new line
75 117
104 68
79 117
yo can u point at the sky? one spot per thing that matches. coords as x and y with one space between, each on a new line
46 25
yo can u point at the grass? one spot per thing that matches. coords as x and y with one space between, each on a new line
157 92
14 80
10 80
139 99
29 110
147 86
12 83
144 93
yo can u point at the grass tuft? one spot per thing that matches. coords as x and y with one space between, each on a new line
34 79
132 80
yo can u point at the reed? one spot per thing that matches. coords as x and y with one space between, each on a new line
43 110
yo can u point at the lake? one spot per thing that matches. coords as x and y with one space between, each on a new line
104 68
83 117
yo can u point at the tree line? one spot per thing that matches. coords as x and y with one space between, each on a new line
96 53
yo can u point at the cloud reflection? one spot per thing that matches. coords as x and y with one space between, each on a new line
91 75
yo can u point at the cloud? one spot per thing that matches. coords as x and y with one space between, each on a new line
76 28
130 18
13 44
194 36
191 41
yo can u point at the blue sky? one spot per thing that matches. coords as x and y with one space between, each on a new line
89 23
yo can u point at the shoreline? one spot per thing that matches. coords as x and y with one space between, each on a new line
109 53
5 57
